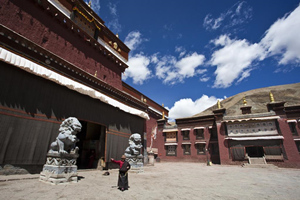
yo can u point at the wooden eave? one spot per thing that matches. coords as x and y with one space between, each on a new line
69 24
89 12
26 48
292 109
141 94
199 119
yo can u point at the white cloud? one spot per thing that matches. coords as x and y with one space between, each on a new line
187 65
167 67
187 107
204 78
138 64
238 14
234 59
172 70
213 24
201 71
222 40
163 65
114 24
180 50
113 9
282 38
95 5
138 69
168 27
133 40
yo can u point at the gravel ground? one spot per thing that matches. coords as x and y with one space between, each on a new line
164 181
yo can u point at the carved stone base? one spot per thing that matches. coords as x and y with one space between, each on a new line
151 158
60 169
136 162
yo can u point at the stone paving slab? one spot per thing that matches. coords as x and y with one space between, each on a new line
166 181
18 177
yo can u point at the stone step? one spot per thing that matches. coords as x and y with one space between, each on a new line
247 165
257 161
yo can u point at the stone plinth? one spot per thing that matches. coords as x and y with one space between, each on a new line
151 158
136 162
60 169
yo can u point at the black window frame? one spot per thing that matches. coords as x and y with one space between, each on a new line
183 148
185 134
293 128
167 150
201 148
197 132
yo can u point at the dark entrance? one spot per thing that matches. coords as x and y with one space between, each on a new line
255 151
214 153
91 145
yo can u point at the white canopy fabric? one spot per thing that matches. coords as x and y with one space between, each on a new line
277 137
31 67
185 129
169 144
200 142
170 130
199 127
186 143
248 119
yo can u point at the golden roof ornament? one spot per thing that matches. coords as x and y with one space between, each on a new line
90 3
163 113
117 35
219 104
115 45
271 97
95 73
244 101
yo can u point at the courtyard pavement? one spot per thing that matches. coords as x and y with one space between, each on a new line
164 180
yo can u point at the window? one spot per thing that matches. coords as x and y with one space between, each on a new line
186 149
199 134
171 137
201 149
298 145
251 128
293 128
171 150
214 133
186 134
215 149
272 150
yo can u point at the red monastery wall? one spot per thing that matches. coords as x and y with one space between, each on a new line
151 123
288 142
48 32
223 144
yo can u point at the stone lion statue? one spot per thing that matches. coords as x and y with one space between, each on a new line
135 145
66 139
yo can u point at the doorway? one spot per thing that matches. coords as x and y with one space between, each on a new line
255 151
91 145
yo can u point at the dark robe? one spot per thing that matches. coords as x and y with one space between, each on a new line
123 174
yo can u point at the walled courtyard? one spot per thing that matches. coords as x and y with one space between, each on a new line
165 180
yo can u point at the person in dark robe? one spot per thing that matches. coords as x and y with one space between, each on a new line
123 172
91 158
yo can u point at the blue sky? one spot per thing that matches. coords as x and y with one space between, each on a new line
188 54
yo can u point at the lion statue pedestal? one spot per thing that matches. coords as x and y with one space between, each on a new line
133 152
60 167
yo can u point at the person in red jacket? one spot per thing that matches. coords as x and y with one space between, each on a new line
123 172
